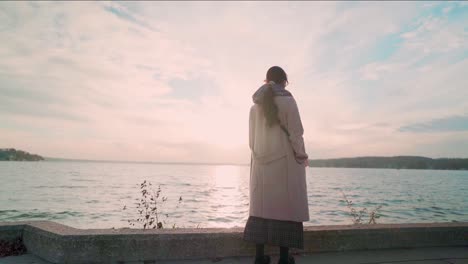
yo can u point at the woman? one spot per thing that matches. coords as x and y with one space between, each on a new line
278 190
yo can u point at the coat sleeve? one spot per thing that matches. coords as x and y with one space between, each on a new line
251 128
296 131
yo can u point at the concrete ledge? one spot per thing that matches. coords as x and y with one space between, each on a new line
11 231
62 244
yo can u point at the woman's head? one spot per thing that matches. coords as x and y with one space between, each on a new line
277 74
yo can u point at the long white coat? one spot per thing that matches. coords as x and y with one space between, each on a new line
278 188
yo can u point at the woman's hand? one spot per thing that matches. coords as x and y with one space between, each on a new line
302 161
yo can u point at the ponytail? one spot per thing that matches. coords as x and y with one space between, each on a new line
269 106
274 75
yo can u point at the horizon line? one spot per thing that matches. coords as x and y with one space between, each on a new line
227 163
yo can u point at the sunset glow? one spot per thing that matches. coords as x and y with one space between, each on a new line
172 81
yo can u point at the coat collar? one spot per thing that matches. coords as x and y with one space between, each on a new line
278 90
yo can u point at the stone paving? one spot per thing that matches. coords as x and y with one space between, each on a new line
448 255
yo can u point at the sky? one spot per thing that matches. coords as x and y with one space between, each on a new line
172 81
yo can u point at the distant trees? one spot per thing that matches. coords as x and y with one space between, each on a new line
18 155
397 162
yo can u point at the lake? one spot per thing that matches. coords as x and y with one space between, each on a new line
93 194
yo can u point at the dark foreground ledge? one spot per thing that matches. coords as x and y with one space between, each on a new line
63 244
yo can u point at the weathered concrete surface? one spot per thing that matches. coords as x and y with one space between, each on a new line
23 259
441 255
404 256
10 231
62 244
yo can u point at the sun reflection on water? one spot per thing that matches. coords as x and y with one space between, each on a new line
227 196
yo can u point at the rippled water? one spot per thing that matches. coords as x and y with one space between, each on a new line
92 194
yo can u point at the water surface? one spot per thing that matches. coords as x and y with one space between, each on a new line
93 194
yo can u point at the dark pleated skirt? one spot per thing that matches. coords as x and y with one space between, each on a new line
274 232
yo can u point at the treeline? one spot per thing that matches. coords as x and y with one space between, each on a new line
18 155
398 162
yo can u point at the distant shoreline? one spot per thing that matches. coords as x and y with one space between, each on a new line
11 154
365 162
397 162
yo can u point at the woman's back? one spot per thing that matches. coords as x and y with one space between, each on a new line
267 142
277 181
273 141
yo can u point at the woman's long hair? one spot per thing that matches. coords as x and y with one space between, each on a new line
277 75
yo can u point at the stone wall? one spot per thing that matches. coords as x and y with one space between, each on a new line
63 244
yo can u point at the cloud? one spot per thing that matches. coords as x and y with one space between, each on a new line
192 89
121 12
451 123
173 81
